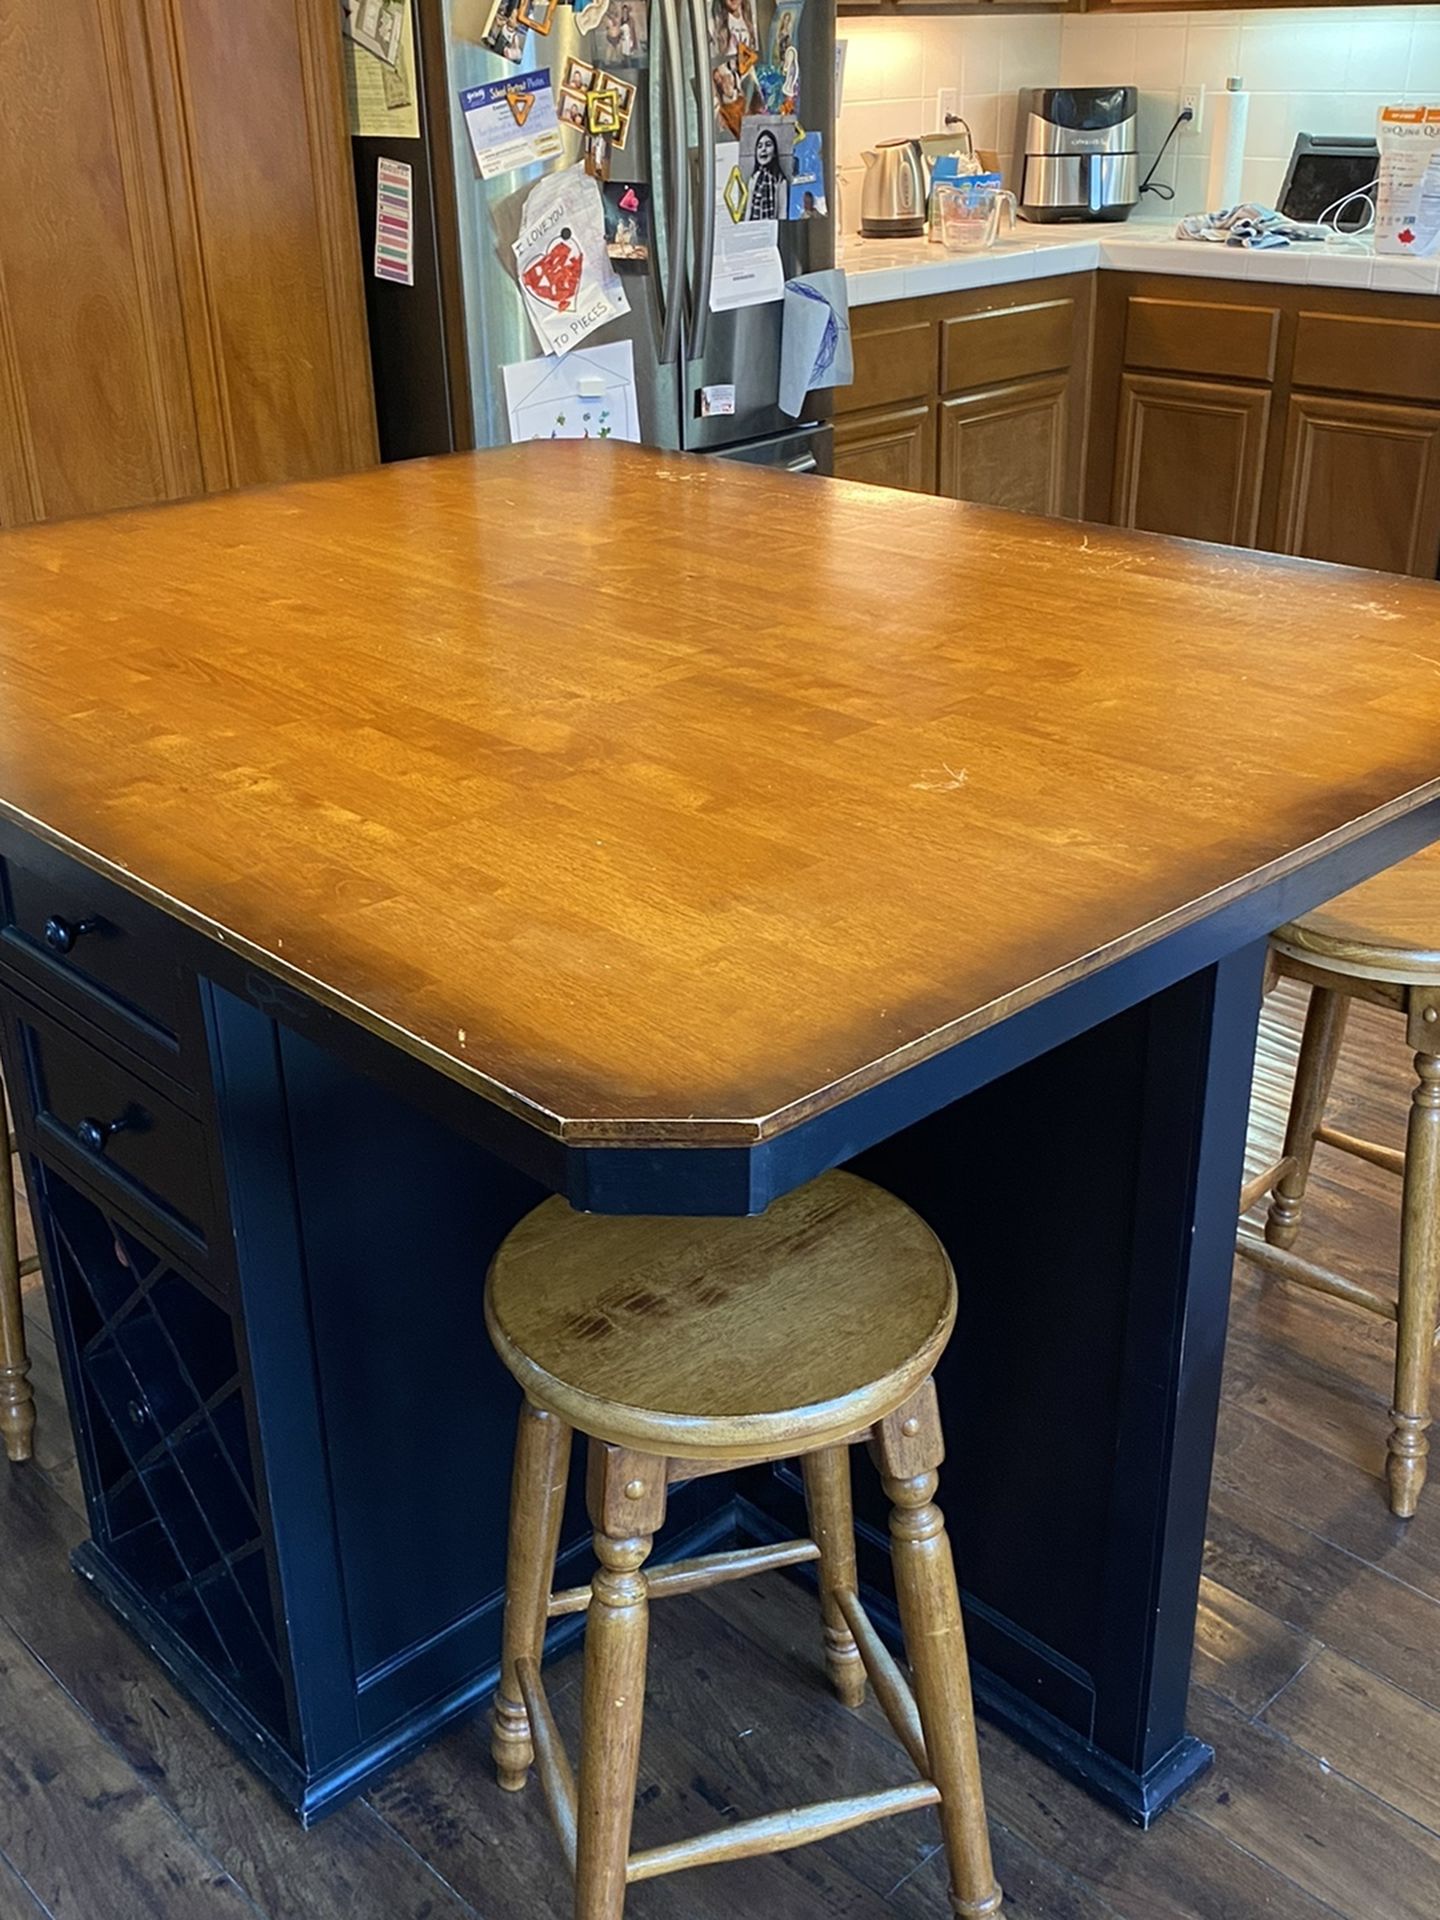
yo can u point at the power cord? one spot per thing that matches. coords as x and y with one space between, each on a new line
1161 189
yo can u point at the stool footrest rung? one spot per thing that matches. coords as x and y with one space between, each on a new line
891 1687
694 1576
777 1832
1305 1273
552 1763
1259 1184
1392 1159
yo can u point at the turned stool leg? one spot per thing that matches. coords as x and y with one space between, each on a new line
537 1499
1314 1072
1419 1291
908 1450
17 1399
626 1495
832 1528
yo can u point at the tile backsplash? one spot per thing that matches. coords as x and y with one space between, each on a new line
1325 70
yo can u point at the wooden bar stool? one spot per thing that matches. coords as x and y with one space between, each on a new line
17 1398
1380 942
681 1347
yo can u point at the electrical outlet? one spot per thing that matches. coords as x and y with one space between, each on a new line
1194 98
947 101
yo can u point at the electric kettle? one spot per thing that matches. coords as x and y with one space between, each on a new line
896 190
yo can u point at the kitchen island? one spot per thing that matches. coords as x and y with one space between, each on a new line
383 853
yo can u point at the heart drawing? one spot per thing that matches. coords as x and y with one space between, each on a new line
555 276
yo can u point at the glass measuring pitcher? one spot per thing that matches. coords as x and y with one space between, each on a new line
970 212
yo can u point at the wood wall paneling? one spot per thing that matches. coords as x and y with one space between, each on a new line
1361 484
1005 446
1190 457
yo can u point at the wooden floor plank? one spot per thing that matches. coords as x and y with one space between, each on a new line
1243 1654
1385 1625
1385 1740
1177 1871
1311 1824
135 1862
1307 1485
351 1867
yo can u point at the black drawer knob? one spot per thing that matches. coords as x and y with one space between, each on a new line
95 1134
61 934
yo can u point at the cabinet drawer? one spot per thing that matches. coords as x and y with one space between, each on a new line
1226 339
1350 353
1016 343
891 363
97 946
102 1119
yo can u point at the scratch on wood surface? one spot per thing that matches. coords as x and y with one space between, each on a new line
941 779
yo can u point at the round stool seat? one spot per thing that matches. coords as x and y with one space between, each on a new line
724 1339
1385 929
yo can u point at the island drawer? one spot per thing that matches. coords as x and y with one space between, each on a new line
96 946
98 1117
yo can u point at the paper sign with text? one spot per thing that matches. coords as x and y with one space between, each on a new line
512 123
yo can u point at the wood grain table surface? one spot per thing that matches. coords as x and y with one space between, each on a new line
667 799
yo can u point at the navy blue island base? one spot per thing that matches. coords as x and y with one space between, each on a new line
1080 1159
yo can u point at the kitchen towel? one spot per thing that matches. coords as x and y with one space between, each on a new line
1250 225
815 346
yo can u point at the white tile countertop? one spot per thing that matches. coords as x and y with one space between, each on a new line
879 270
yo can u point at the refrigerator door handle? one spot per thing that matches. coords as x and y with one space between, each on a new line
672 292
705 233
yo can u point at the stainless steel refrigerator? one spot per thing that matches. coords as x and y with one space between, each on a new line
438 346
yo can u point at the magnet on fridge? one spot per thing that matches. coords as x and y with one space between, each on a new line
596 150
770 84
602 111
712 402
735 195
784 31
538 15
627 221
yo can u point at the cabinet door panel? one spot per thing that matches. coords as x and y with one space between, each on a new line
260 178
1190 457
1005 446
895 449
1361 484
95 407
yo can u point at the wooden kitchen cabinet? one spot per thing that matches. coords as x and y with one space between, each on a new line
1299 419
1006 446
980 395
1191 457
181 300
894 448
1361 484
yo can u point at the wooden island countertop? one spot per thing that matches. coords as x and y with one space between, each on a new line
664 799
658 832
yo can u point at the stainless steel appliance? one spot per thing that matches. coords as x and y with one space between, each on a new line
896 189
1078 153
438 347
